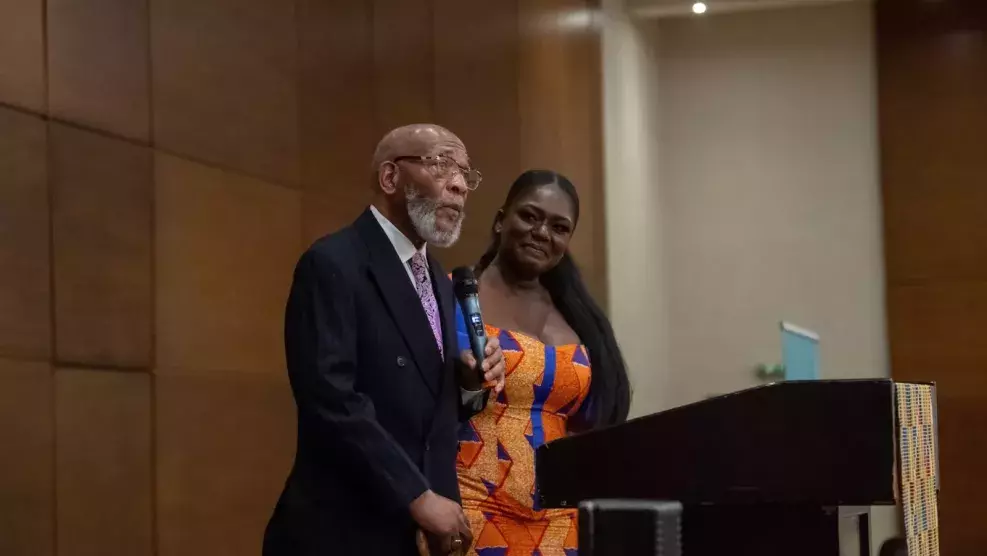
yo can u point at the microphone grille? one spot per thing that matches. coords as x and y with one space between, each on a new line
463 281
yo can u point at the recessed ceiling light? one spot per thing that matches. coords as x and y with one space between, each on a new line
699 8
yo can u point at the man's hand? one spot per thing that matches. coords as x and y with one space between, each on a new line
493 368
442 518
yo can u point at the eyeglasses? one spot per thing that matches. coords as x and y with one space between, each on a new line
443 167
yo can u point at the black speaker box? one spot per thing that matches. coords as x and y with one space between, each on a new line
630 528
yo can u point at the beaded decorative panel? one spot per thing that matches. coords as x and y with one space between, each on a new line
917 471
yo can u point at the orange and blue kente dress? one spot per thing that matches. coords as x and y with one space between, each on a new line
545 387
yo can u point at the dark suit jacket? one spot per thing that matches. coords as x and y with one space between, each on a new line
378 407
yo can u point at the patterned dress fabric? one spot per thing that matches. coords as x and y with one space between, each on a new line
545 386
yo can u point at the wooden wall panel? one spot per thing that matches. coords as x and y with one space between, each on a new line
196 147
962 420
586 133
226 246
26 469
940 326
98 54
560 109
403 83
542 84
25 295
932 116
937 334
22 59
103 463
224 444
932 82
476 96
101 212
584 146
224 84
336 103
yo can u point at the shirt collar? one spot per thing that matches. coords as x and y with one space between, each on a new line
402 245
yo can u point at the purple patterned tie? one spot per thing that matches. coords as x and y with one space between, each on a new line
419 267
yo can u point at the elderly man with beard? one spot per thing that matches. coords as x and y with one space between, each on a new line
371 351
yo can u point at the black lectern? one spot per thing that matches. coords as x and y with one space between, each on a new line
778 470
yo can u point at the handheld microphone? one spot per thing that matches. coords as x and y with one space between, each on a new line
467 293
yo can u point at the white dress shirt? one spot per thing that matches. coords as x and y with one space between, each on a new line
402 245
405 251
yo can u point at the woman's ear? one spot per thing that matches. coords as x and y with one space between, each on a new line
499 222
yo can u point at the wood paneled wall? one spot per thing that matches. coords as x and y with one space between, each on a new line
162 165
933 122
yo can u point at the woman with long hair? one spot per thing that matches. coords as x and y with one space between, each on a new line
565 372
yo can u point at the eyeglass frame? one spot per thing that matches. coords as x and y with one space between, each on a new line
425 160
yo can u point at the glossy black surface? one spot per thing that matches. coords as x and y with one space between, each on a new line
822 443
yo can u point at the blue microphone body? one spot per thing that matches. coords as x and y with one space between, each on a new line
467 294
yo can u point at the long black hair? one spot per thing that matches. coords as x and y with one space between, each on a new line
609 394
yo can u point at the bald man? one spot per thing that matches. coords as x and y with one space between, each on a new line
371 352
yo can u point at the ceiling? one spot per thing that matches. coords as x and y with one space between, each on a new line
670 8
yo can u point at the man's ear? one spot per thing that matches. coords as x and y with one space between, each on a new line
387 177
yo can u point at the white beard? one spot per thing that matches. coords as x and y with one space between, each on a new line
421 211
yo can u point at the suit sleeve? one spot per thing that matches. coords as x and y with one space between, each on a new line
321 350
470 403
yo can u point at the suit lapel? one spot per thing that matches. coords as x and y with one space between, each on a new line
401 299
444 297
447 309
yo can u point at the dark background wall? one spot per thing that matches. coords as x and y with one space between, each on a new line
162 165
932 65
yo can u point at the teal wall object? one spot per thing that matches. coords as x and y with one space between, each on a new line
800 352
